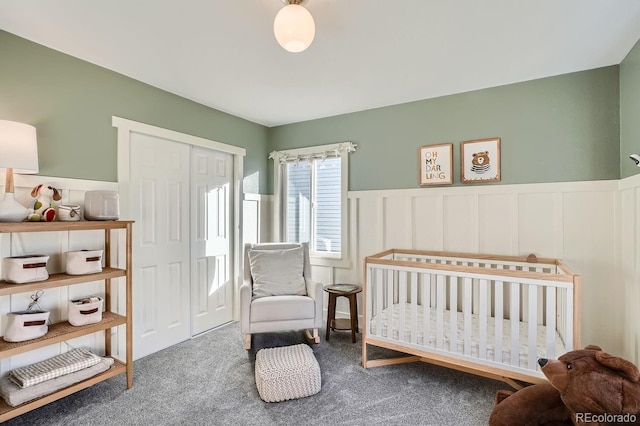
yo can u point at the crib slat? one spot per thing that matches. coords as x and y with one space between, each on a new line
433 289
568 343
453 314
379 281
426 308
540 297
561 314
368 306
467 314
499 316
482 347
533 326
551 322
514 316
414 308
440 307
389 304
402 304
475 290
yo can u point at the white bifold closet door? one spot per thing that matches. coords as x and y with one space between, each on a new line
181 202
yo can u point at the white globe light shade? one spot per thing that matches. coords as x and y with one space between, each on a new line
294 28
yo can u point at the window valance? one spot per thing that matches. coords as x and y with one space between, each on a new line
317 152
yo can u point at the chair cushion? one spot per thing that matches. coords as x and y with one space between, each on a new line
281 308
277 272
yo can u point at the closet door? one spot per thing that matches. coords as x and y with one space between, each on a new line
211 231
159 179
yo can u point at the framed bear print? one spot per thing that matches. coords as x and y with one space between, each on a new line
480 160
436 164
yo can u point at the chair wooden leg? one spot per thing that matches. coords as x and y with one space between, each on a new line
247 341
312 339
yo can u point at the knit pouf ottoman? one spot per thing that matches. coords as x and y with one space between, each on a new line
288 372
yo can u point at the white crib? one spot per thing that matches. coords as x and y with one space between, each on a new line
488 315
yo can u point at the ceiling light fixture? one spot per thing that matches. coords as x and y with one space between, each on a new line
294 27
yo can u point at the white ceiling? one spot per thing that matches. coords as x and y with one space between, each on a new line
366 53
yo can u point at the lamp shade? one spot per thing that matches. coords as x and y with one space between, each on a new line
294 28
18 147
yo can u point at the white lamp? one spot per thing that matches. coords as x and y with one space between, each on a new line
19 154
294 27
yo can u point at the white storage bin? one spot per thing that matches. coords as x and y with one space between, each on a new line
83 262
69 213
85 311
25 269
26 325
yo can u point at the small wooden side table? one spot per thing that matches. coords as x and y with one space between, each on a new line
349 291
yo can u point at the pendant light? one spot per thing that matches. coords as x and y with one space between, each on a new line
294 27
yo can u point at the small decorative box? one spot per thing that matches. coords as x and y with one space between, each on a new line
83 262
25 269
85 311
69 213
26 325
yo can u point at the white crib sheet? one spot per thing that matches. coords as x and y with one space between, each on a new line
523 347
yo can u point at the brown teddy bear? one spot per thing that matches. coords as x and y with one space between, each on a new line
587 386
533 405
598 388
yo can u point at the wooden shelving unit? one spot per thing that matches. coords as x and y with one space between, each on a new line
63 331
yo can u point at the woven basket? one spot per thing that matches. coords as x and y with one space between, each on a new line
287 372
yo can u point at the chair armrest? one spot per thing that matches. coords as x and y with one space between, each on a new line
245 306
315 290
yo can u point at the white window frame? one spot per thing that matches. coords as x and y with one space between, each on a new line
340 150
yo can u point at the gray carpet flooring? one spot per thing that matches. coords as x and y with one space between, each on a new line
209 380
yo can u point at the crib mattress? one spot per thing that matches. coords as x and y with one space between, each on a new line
393 332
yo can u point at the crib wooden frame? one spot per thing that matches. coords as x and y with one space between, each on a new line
543 298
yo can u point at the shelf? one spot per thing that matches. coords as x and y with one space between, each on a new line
63 331
7 412
84 225
60 332
60 280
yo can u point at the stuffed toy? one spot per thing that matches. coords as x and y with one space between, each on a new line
533 405
587 386
42 207
598 388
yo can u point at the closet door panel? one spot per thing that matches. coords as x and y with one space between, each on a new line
159 176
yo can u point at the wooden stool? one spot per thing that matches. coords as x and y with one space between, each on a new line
349 291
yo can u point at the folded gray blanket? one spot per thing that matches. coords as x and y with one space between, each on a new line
15 395
59 365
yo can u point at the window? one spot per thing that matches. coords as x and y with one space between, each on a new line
311 188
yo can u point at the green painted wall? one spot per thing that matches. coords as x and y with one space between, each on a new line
563 128
630 111
71 102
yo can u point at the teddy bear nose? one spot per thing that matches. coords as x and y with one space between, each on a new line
542 362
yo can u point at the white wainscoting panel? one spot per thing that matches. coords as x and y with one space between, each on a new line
497 223
257 218
629 264
428 222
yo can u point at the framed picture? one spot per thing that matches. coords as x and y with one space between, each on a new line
480 161
435 164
